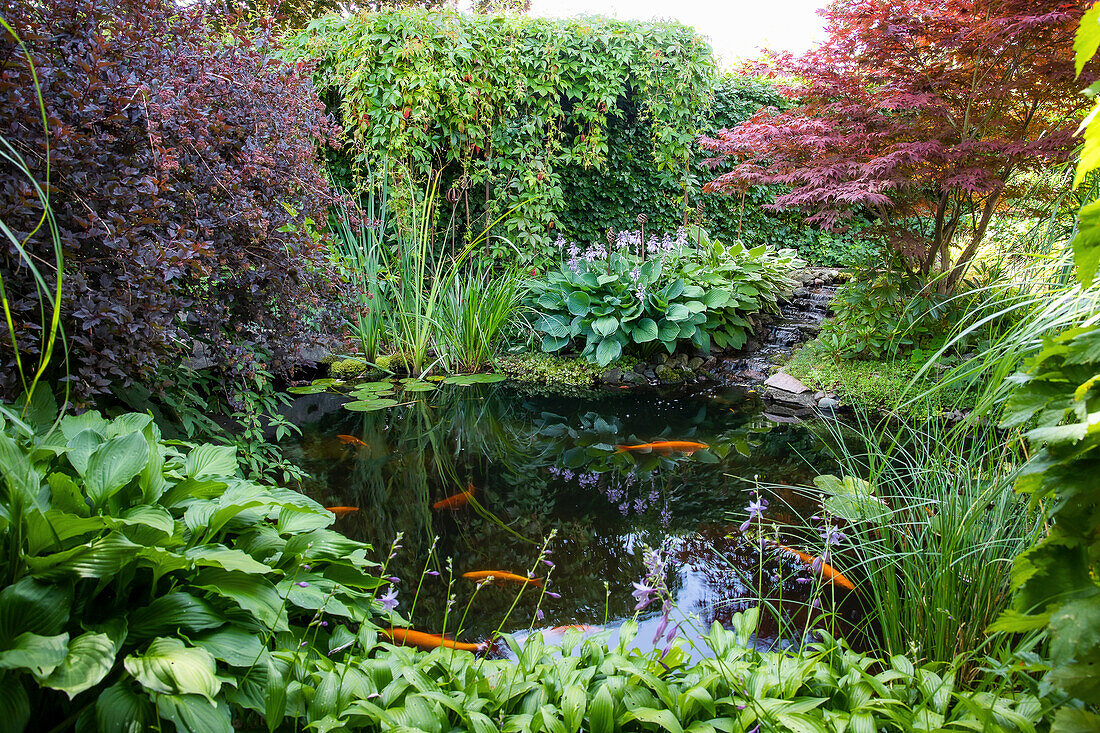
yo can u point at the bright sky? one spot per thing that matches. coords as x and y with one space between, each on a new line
735 28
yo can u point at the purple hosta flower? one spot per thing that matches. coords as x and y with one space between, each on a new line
539 615
394 579
432 572
832 535
816 603
548 563
553 470
662 624
306 568
302 644
666 517
389 599
645 594
654 495
552 594
624 508
756 511
302 584
639 505
324 624
567 475
802 580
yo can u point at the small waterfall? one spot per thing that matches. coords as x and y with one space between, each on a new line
799 320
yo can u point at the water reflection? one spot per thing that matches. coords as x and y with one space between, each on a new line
537 464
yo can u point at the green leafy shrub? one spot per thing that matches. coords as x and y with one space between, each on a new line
700 293
144 580
503 103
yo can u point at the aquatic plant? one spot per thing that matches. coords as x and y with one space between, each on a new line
358 245
925 525
482 301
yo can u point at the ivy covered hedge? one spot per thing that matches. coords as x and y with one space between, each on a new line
506 103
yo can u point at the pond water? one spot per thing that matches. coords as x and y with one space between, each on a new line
539 463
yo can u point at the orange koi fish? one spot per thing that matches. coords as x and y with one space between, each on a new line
500 577
421 640
665 446
828 572
342 510
351 440
457 501
583 628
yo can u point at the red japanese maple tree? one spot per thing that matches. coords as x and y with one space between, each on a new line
918 112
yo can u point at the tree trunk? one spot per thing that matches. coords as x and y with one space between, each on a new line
975 240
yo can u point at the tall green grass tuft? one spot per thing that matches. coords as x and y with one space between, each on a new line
930 531
359 246
474 313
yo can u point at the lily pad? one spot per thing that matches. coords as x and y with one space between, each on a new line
380 403
374 386
465 380
315 387
415 385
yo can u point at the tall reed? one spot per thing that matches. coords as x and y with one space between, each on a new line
930 537
421 278
474 313
359 246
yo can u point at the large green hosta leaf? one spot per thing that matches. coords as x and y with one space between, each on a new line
171 667
30 605
253 593
19 476
607 351
39 654
15 706
211 460
113 464
191 713
233 646
172 612
91 657
121 709
101 558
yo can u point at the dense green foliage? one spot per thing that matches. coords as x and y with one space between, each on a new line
586 686
145 580
630 183
502 103
699 292
1057 403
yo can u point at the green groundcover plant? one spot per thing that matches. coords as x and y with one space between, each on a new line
670 291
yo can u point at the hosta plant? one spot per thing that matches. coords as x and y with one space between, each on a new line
144 582
698 291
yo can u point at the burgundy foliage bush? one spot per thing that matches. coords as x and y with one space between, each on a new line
921 113
174 156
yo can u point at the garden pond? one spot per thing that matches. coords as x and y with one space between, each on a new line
476 477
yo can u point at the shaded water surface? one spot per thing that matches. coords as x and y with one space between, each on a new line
536 464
